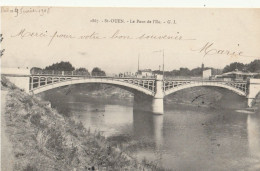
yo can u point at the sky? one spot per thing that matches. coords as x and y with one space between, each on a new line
113 38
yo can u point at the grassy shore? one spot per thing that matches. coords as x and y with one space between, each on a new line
43 139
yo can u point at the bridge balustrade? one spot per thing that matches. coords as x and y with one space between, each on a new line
171 84
60 73
37 81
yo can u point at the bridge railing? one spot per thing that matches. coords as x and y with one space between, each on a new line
85 76
204 80
76 73
171 84
56 72
40 80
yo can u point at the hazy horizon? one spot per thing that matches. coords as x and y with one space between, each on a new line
39 40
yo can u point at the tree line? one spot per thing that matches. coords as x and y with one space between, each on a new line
251 67
68 68
185 72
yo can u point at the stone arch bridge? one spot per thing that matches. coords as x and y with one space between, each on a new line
150 91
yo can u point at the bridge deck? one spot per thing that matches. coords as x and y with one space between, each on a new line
168 85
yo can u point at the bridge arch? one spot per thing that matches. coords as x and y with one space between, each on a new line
117 83
203 84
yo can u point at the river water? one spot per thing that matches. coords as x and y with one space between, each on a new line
184 138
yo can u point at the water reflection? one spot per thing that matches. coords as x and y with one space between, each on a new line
253 130
148 126
109 119
184 138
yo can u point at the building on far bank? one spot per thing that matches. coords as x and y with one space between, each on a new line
236 76
145 73
127 74
206 74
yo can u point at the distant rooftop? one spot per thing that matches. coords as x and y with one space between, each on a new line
240 73
145 70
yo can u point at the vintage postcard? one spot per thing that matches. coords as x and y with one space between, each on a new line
130 88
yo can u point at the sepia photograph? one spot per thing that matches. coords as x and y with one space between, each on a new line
130 89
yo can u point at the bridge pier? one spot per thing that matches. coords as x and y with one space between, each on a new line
253 90
157 106
157 103
153 104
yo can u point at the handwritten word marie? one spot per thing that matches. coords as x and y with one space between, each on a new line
209 49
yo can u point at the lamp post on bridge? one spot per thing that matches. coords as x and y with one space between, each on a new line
157 104
162 59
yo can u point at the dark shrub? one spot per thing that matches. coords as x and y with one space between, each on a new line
27 100
30 168
54 143
36 119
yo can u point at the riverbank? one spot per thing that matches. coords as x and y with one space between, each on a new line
7 156
43 139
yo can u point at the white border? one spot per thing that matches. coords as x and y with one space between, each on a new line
137 3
